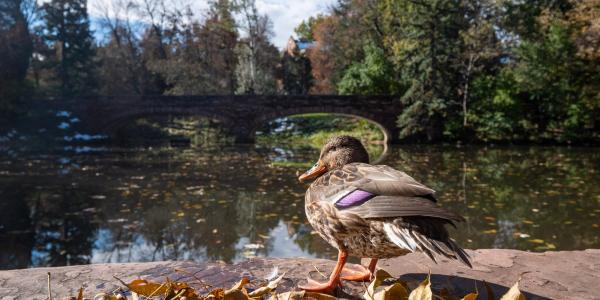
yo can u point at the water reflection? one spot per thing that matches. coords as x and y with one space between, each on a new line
120 205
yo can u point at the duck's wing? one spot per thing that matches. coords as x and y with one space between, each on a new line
378 192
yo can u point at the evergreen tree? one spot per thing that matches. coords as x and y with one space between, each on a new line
15 51
295 73
425 46
374 75
67 30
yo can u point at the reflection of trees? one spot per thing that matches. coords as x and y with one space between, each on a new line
64 234
15 229
192 204
506 192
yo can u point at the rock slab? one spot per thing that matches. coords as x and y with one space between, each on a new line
548 275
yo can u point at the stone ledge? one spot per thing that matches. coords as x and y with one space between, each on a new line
550 275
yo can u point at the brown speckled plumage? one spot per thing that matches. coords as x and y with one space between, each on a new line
401 202
372 211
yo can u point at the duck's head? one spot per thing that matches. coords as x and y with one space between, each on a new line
337 152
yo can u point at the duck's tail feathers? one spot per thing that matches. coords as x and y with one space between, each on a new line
414 241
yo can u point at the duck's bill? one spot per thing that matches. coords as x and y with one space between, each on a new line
317 170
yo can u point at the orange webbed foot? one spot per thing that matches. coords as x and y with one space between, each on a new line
321 287
359 273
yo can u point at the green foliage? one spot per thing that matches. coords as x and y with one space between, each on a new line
485 70
305 29
372 76
315 129
15 51
424 50
67 29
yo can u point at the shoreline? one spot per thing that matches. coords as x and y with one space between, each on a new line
546 275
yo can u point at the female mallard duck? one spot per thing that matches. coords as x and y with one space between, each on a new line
372 211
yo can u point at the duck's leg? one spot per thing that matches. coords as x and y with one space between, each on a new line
362 275
334 278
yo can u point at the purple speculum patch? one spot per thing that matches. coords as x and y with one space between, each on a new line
354 198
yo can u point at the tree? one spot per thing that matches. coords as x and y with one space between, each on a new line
480 49
67 31
321 56
201 57
295 73
257 57
220 38
122 70
15 52
424 47
374 75
305 30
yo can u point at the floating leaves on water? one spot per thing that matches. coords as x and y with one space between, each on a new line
536 241
491 231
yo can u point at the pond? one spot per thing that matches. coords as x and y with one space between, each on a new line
90 205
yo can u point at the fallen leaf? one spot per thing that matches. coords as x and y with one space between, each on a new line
536 241
380 276
395 291
514 293
80 295
145 288
423 291
266 289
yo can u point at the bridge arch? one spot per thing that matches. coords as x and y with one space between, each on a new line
241 115
113 123
347 112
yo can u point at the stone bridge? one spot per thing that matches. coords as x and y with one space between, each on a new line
241 115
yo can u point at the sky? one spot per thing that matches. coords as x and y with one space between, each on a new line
285 14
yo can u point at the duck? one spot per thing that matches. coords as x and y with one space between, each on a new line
372 211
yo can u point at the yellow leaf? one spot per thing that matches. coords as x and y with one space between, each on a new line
301 295
240 284
265 289
104 296
145 288
216 294
514 293
235 294
395 291
423 291
536 241
293 295
380 276
80 295
319 296
471 296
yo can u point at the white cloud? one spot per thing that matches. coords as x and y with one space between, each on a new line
286 15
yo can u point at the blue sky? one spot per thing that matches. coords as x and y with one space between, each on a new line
285 14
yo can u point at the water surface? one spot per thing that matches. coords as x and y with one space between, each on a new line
88 204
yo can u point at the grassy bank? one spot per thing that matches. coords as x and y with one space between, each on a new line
315 129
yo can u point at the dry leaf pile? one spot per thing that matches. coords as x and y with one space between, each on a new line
382 287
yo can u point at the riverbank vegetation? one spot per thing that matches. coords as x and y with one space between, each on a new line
491 71
315 129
